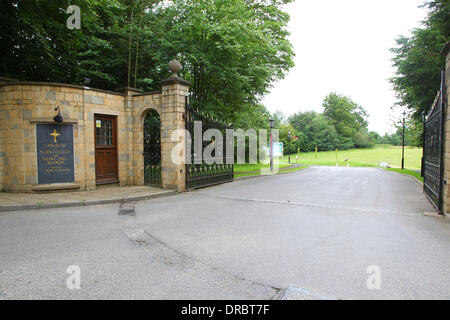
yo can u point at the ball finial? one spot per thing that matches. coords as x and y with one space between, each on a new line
175 67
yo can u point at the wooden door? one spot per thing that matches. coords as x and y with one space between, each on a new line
106 168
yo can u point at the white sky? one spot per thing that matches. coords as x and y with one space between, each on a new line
343 46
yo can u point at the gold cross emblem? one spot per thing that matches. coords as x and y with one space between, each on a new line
55 134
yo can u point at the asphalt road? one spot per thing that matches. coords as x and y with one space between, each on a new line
315 232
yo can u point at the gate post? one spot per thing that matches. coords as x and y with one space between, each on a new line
174 91
446 96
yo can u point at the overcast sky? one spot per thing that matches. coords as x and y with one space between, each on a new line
343 46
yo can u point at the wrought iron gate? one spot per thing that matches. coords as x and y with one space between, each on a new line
203 174
434 149
152 149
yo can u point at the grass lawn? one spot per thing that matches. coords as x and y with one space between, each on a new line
237 175
254 167
363 157
406 171
356 158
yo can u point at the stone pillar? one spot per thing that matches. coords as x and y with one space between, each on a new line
446 191
174 92
125 145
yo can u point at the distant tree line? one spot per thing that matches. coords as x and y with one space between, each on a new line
342 125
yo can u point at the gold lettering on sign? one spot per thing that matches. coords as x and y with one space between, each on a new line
55 153
55 134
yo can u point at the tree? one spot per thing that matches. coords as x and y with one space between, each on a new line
278 119
38 46
364 139
291 144
414 133
324 134
314 131
348 118
231 50
418 60
396 138
375 137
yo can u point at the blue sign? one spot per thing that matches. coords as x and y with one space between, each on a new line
278 149
55 153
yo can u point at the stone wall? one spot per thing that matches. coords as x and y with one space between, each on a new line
23 104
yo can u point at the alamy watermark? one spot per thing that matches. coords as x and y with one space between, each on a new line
74 20
221 149
374 280
73 282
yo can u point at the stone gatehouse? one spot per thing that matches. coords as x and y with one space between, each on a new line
99 141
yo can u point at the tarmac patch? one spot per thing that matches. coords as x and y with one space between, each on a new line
126 210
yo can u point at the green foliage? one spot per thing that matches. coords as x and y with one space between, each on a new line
343 125
37 45
278 119
414 133
349 119
418 59
375 137
314 130
253 116
290 138
364 139
231 50
394 139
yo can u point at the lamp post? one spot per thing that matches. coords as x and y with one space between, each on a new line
58 118
271 122
403 142
289 149
422 171
87 81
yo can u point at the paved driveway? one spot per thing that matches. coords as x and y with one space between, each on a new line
315 231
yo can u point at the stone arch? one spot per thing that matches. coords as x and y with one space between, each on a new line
152 147
143 105
142 112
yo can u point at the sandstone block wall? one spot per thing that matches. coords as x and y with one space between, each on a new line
24 104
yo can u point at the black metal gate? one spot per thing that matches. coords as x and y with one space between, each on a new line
202 174
434 149
152 149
